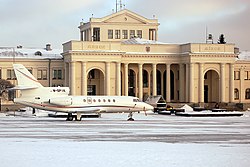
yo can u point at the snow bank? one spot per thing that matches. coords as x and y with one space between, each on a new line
187 108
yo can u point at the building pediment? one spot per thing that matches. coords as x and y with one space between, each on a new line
128 17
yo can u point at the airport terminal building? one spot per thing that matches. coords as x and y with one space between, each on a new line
120 55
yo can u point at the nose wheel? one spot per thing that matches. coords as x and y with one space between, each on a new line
70 117
130 117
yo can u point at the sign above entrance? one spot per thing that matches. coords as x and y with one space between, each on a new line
96 47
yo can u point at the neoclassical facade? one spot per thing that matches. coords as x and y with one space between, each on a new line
119 55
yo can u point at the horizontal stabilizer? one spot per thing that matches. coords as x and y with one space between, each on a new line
23 87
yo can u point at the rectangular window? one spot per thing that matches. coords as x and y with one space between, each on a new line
236 75
139 33
57 74
42 74
39 74
11 75
132 34
117 34
110 34
152 34
124 34
247 75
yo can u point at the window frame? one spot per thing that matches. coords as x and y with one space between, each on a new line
236 94
236 75
117 34
124 34
247 94
131 34
110 34
139 33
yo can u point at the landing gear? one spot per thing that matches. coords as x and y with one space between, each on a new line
130 117
70 117
78 117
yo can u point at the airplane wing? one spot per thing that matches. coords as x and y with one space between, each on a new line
86 110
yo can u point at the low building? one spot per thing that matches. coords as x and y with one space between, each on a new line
46 64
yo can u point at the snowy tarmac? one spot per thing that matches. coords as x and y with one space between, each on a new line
152 140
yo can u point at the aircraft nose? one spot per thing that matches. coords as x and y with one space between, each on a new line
149 107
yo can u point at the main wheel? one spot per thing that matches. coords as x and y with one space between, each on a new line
70 117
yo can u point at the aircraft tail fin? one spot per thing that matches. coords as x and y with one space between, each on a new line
24 78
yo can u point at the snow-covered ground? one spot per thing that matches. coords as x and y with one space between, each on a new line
152 140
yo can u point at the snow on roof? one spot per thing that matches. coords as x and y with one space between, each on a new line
141 41
244 55
154 99
30 53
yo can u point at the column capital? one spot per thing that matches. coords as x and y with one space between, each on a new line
140 65
232 65
222 64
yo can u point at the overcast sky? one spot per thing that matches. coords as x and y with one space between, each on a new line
33 23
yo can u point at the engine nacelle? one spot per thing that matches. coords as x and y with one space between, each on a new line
62 101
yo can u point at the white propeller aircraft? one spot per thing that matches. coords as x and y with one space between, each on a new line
57 99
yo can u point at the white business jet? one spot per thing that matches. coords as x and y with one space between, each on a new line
57 99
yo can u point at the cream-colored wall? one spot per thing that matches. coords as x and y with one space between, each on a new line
34 65
242 84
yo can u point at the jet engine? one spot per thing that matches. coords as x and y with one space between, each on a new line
62 101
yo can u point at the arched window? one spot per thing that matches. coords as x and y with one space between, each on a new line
247 93
236 94
38 53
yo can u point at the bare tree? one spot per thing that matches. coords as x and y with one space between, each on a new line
4 86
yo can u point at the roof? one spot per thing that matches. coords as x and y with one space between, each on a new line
244 55
141 41
30 53
155 99
127 13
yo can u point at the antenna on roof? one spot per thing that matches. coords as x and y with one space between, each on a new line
119 4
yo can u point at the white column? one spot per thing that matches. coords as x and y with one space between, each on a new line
154 80
126 79
72 78
201 83
181 83
66 71
231 85
187 83
242 88
118 78
222 82
191 82
107 78
168 93
140 86
84 79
